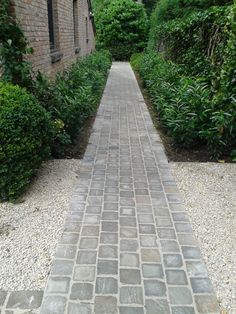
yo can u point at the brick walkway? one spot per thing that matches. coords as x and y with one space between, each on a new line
128 246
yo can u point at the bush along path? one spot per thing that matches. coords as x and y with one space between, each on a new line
128 245
42 121
191 79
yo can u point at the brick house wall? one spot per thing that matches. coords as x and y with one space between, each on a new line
73 38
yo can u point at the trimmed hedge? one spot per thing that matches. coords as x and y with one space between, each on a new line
25 133
122 28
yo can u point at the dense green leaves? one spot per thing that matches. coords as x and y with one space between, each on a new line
122 28
30 127
198 41
73 96
190 71
13 49
25 134
167 10
186 106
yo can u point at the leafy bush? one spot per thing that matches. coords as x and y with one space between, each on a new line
13 49
25 133
73 96
122 28
186 106
190 71
149 5
167 10
201 52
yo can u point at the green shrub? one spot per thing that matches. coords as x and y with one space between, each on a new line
135 60
197 41
190 71
122 28
224 119
187 107
73 96
25 133
167 10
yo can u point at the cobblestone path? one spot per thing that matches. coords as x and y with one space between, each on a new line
127 246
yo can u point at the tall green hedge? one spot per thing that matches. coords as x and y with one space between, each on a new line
190 72
122 27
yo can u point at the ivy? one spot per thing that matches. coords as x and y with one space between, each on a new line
13 49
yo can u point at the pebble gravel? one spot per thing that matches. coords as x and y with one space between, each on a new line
209 191
30 230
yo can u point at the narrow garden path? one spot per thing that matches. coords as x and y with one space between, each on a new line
127 246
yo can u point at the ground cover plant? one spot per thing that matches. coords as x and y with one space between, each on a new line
189 71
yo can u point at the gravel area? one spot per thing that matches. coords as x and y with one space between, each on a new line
209 191
29 231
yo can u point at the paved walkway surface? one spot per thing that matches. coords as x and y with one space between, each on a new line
127 246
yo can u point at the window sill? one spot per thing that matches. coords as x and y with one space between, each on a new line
77 50
56 56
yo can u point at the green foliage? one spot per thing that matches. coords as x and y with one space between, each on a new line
225 98
186 106
190 71
25 132
201 52
122 28
13 49
73 96
167 10
135 60
149 5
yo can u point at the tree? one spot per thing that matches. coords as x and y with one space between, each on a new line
122 28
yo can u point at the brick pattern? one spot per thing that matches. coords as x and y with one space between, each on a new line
33 17
128 246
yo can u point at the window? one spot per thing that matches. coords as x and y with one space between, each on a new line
53 30
87 33
75 20
51 26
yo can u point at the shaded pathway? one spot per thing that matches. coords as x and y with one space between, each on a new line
127 246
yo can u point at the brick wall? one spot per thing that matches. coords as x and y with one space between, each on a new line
33 17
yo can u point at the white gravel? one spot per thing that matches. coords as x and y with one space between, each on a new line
29 231
209 191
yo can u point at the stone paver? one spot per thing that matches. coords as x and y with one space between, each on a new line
127 246
133 249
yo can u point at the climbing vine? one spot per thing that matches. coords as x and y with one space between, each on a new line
13 48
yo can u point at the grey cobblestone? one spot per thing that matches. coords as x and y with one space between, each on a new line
3 295
128 246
